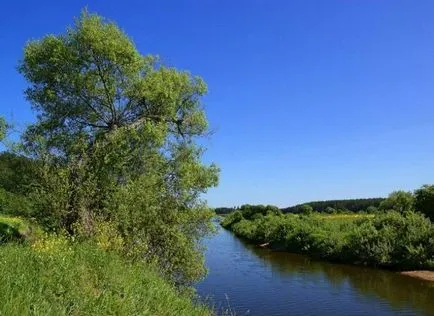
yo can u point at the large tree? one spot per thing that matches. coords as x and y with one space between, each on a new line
117 132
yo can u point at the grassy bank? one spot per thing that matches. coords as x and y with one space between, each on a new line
390 240
55 276
13 228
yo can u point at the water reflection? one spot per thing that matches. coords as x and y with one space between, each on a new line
262 282
397 289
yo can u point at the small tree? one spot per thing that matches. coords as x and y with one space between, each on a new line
330 210
372 210
306 209
424 200
400 201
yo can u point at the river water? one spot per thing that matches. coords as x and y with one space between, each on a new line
251 281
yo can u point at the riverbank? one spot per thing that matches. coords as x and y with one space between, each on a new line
422 275
54 275
394 241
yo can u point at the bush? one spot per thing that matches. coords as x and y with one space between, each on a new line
392 240
8 233
250 211
424 201
306 209
14 204
399 201
232 219
15 229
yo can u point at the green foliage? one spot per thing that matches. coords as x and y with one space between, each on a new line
17 178
16 229
56 277
306 209
168 235
91 81
223 210
8 233
330 210
232 218
250 211
399 201
3 128
115 143
392 240
15 204
352 205
372 210
424 200
17 173
331 206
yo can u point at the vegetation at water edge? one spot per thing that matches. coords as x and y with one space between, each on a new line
55 276
388 239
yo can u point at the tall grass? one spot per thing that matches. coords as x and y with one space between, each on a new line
53 276
14 229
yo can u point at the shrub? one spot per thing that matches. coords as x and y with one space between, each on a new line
392 239
8 233
232 218
14 204
15 229
424 201
306 209
399 201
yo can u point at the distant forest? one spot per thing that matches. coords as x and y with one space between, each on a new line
351 205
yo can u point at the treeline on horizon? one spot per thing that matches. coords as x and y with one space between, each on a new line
328 206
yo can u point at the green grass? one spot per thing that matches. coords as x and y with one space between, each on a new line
45 274
55 277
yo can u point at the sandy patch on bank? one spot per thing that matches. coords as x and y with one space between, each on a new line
423 275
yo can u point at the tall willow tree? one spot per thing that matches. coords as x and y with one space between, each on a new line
117 132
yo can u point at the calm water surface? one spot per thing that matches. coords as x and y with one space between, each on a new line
253 281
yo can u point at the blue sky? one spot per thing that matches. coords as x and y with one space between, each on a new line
309 100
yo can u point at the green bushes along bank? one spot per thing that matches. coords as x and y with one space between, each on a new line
390 240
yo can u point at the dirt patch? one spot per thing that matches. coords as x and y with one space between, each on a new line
423 275
265 245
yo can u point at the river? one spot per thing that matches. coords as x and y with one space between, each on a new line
253 281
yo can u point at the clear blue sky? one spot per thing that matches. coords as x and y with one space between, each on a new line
310 100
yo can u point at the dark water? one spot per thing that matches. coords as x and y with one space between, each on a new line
253 281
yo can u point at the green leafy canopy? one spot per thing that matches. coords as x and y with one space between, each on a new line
3 128
117 133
